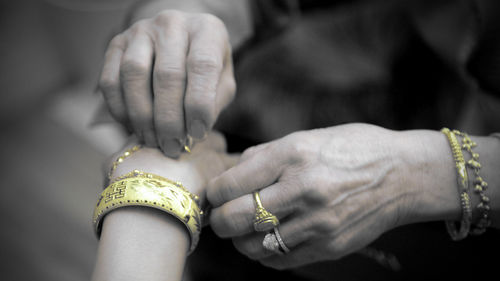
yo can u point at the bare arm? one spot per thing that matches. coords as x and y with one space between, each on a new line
140 243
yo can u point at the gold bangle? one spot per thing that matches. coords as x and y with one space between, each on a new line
120 159
480 185
153 191
463 186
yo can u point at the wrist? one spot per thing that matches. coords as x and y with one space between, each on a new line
152 161
429 177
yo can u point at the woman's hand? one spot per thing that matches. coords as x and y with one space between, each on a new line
207 160
334 190
169 76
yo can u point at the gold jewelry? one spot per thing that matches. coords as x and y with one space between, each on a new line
263 220
144 189
479 184
271 243
463 186
188 143
120 159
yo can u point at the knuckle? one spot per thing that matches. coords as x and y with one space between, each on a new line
108 85
170 75
116 41
227 223
132 68
336 248
249 152
299 150
312 194
218 194
139 26
203 62
210 19
168 17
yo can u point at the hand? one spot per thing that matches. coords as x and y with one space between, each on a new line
169 76
334 190
207 160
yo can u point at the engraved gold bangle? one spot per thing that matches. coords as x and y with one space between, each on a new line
151 191
463 186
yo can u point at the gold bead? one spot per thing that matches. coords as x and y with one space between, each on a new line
474 164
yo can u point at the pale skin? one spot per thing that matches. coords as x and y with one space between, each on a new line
336 190
140 243
170 73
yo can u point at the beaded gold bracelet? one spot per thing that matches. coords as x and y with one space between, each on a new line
480 185
149 190
463 186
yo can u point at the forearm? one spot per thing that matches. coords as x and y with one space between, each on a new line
432 177
234 13
141 243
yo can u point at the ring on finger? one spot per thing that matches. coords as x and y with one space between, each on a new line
263 220
274 243
283 247
271 243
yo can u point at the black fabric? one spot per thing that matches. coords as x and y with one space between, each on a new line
398 64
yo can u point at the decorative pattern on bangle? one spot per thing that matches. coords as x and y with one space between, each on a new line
479 184
463 186
143 189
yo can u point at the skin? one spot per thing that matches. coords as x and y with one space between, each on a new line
140 243
170 73
335 190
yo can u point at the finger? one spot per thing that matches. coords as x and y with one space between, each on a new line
135 75
226 89
251 245
302 255
214 141
230 160
169 79
251 151
205 61
253 174
109 81
235 218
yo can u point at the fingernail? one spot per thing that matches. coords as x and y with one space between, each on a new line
197 129
172 148
150 138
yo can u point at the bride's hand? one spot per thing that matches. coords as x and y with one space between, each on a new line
140 243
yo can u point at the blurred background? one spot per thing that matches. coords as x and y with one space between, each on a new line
51 53
390 63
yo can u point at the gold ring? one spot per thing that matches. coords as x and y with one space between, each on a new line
263 220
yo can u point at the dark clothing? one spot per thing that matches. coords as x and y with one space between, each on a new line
397 64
